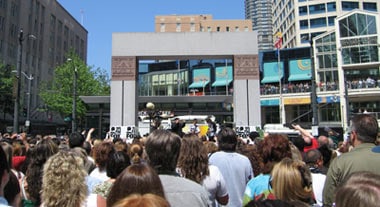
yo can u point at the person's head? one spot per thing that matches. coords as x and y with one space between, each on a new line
195 121
12 190
146 200
116 163
294 175
135 152
102 153
193 158
273 149
64 181
268 203
227 139
8 152
76 139
162 148
4 169
361 189
364 129
314 159
43 150
140 178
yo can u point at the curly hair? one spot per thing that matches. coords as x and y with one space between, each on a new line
252 152
273 149
193 158
38 156
102 153
64 181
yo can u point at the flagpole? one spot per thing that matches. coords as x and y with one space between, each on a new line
278 45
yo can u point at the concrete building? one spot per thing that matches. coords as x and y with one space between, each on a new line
203 65
199 23
260 12
298 20
49 33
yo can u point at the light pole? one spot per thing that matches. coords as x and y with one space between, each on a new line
18 85
74 107
315 120
30 78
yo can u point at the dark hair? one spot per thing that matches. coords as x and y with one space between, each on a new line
312 156
76 139
4 165
366 127
162 148
227 139
116 163
137 178
41 153
12 189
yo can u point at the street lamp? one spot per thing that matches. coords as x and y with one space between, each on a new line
74 108
18 85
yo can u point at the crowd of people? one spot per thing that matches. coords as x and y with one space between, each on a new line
172 168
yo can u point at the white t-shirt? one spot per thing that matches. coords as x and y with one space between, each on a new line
215 184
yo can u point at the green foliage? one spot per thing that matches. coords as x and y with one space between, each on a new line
6 88
58 94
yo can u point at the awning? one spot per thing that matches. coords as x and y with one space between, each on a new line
299 77
270 79
221 83
299 70
199 84
271 72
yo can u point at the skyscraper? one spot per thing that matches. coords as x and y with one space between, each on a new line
260 12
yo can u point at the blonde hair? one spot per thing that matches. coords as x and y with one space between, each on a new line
146 200
63 182
291 181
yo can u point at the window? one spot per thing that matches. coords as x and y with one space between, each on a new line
227 29
302 10
218 29
304 24
178 27
369 6
318 22
192 27
349 5
331 7
318 8
331 20
162 27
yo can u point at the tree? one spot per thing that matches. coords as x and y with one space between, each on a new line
58 93
6 88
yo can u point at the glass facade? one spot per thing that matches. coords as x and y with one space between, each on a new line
359 39
185 77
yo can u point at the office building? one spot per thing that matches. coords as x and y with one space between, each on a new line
260 12
49 33
300 19
199 23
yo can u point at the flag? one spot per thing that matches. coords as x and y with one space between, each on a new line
278 42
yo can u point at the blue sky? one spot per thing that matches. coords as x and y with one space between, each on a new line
102 18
